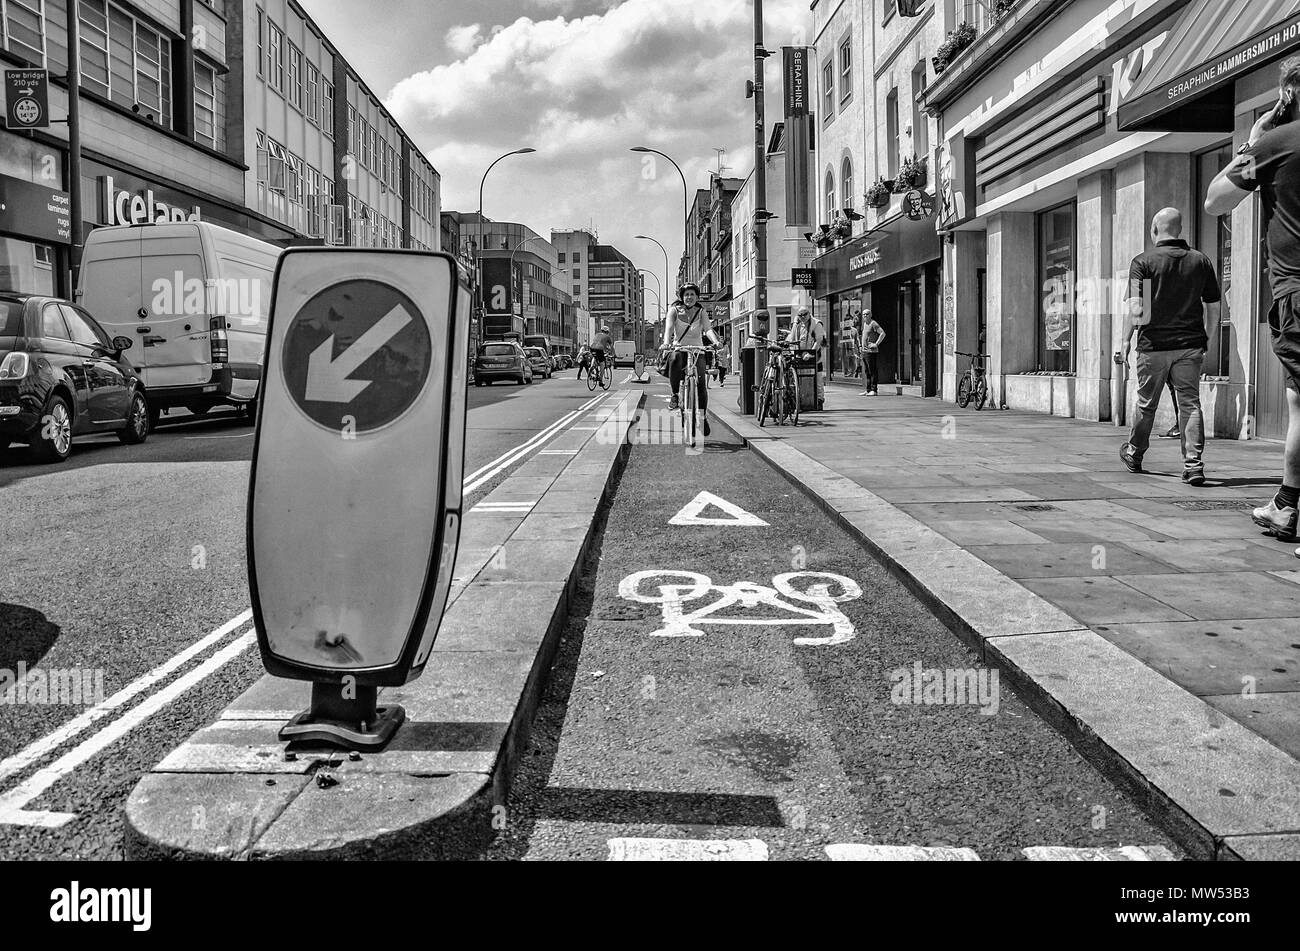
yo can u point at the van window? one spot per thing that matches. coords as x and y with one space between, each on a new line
52 326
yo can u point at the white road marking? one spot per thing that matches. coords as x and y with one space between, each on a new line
558 452
1123 853
51 741
236 436
813 588
898 853
12 803
736 516
687 850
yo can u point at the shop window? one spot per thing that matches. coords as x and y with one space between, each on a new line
1214 239
1056 279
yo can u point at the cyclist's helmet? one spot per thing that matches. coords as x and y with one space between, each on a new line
689 287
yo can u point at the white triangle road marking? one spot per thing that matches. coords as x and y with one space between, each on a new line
736 516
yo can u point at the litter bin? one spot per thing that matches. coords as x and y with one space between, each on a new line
748 379
805 368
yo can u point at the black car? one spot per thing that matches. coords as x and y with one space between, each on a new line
62 376
502 360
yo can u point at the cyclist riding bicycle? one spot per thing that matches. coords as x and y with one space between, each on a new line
689 326
601 346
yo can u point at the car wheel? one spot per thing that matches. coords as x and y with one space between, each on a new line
137 422
53 441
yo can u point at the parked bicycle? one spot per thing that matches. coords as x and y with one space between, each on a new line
778 393
974 384
692 414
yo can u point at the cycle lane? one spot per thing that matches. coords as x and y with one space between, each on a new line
707 690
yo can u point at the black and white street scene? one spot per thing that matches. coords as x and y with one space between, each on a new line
652 430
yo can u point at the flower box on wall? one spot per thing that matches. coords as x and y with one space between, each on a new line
877 195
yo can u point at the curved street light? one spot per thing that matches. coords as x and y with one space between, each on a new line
686 189
478 247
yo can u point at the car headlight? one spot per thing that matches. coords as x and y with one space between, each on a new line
15 366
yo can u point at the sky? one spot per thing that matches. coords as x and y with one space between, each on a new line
581 81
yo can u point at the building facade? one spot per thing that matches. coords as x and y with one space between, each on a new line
875 165
521 294
1059 152
603 280
215 110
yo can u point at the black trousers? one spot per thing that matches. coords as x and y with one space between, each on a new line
677 373
869 370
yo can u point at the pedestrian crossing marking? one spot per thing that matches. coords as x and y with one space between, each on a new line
736 516
687 850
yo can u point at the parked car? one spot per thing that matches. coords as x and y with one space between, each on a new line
539 361
61 376
502 360
196 297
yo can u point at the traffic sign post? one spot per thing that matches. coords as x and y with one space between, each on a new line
27 99
354 503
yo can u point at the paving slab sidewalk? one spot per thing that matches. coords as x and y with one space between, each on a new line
1149 620
233 790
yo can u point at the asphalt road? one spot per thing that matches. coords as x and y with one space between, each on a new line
125 558
731 730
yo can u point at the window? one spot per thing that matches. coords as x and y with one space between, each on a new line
313 94
205 104
261 41
561 257
275 57
94 46
81 330
314 203
577 257
24 29
828 89
920 123
891 133
52 325
327 109
1056 264
830 196
846 69
577 273
152 71
295 77
846 182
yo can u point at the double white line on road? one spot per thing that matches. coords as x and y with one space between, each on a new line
13 803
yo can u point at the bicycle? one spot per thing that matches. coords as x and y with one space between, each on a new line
600 372
779 391
690 410
974 383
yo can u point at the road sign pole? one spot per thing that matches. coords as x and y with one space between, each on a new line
74 145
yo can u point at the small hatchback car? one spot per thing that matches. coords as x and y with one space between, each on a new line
62 376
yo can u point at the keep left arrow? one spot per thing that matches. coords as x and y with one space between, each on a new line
327 378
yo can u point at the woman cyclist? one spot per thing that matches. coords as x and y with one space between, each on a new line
689 326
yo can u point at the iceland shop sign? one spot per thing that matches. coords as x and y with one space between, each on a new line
121 207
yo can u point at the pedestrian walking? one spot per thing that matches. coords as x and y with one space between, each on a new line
1169 287
584 361
1174 431
1270 162
871 337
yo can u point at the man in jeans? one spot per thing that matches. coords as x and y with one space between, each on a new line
1270 162
1169 287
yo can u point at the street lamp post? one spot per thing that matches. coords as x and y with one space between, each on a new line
667 278
519 247
760 166
478 247
686 190
659 298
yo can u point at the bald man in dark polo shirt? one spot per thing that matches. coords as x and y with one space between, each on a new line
1169 288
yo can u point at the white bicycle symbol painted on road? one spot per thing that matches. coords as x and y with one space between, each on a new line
791 593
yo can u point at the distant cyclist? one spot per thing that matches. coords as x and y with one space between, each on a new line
602 345
689 326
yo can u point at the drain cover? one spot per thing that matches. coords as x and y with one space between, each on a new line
1036 508
1214 505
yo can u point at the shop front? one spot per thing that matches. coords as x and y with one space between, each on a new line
1219 73
35 217
891 274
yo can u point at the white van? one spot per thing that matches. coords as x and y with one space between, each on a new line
196 296
624 353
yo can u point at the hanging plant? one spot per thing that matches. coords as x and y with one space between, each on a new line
956 41
841 226
877 195
1002 8
911 175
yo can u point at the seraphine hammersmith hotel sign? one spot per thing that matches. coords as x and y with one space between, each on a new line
1236 61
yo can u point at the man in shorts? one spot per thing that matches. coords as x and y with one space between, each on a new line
1270 162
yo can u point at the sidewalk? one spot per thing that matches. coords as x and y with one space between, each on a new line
1151 621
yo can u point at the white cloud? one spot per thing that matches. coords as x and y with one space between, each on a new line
663 73
462 40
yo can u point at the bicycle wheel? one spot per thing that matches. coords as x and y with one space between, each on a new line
607 376
591 379
690 408
793 391
981 393
964 392
764 402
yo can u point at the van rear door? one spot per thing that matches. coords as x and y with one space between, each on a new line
110 289
173 281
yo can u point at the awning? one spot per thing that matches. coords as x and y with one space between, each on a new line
1211 45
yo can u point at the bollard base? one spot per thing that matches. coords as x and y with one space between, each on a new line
348 723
